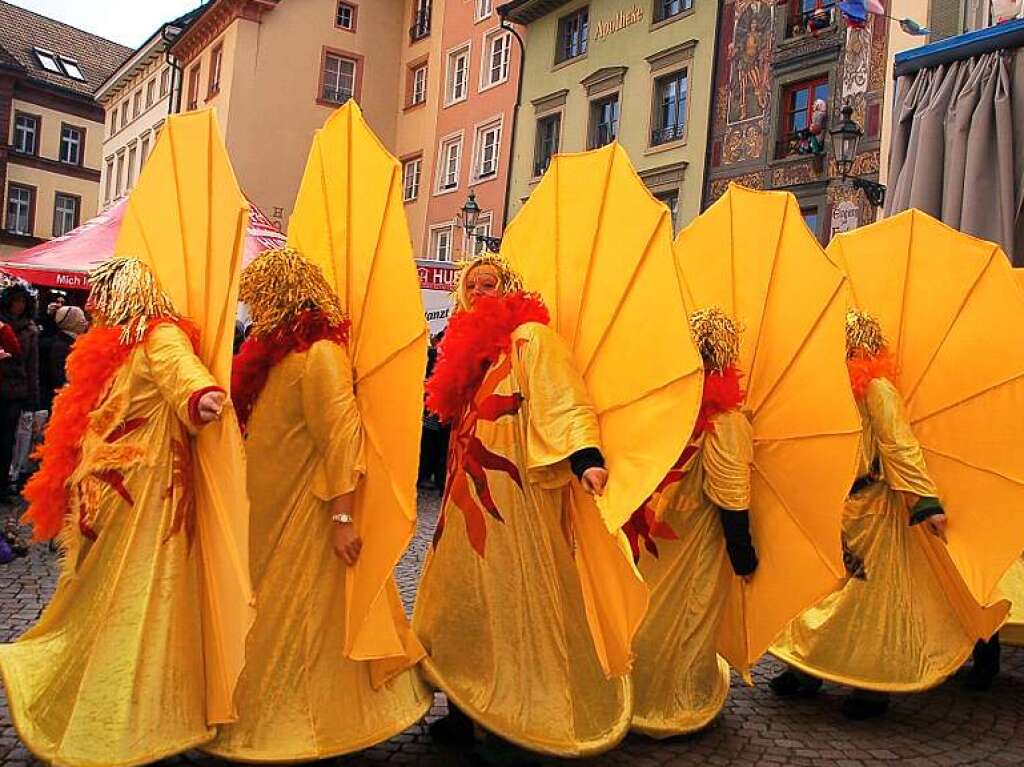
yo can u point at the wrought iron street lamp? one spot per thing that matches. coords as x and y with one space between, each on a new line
846 136
471 221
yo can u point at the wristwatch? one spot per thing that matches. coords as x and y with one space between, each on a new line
342 519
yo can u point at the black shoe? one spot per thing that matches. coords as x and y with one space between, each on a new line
861 705
986 665
791 683
495 752
454 730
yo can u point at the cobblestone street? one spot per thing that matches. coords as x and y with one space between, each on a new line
947 726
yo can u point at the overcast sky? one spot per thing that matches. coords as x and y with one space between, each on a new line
129 22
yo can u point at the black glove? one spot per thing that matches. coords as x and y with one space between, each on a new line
587 458
925 508
739 547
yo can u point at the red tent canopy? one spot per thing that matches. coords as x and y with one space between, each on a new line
65 262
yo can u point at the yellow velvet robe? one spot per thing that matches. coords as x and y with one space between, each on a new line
500 608
680 683
904 620
299 697
113 672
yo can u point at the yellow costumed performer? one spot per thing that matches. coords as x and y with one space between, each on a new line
137 654
529 599
743 533
932 523
299 696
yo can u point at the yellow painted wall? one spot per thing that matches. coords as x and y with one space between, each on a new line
629 46
48 183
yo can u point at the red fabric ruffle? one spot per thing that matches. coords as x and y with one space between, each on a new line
94 360
259 355
472 343
865 368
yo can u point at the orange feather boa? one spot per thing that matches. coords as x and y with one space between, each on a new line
865 368
94 360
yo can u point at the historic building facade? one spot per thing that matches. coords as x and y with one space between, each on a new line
784 73
51 128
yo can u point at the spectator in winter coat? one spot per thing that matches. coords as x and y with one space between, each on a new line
19 375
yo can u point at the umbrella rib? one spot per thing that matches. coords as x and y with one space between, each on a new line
796 352
946 408
768 293
626 291
650 392
970 465
804 437
593 244
903 286
795 519
945 337
181 213
361 376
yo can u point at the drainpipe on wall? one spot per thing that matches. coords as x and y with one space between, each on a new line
503 13
174 102
705 188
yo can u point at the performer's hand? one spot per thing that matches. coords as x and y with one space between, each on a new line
5 355
594 479
937 526
210 406
347 543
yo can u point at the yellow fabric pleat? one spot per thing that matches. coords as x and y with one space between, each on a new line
113 672
186 219
911 621
1012 587
680 683
500 607
299 696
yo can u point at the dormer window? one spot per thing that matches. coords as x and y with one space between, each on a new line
48 61
72 69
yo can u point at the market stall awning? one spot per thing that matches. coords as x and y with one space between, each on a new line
65 262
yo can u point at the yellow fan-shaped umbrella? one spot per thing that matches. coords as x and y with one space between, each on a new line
598 247
187 219
349 219
751 255
953 314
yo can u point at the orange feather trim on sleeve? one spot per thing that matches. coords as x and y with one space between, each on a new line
865 367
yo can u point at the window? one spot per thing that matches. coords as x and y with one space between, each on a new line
572 35
441 243
339 79
71 141
216 61
110 180
137 104
797 102
20 205
143 153
488 151
113 121
458 76
671 200
120 175
150 93
497 49
345 18
669 122
476 244
193 88
604 121
808 17
810 216
448 167
549 129
65 213
124 114
411 170
483 9
165 82
666 9
420 21
48 61
418 90
71 68
26 133
130 181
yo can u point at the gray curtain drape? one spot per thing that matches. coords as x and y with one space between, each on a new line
958 147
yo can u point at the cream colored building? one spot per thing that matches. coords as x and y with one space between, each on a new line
51 128
137 98
638 71
275 69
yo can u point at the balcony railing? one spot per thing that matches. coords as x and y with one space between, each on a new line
667 134
810 22
421 23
